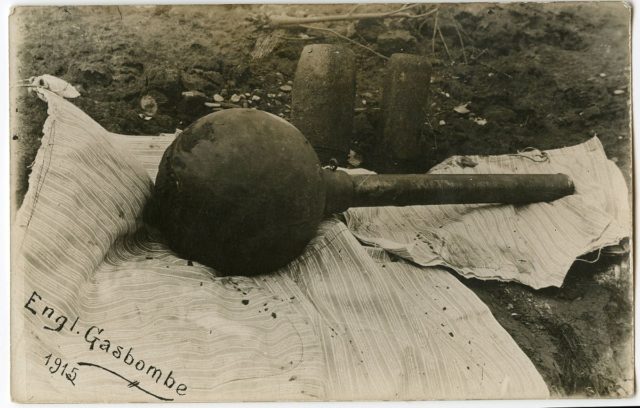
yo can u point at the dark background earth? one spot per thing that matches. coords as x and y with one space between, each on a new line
542 75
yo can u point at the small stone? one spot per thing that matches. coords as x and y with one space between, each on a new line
618 92
271 95
602 75
355 159
442 123
235 98
218 98
212 104
462 109
286 88
193 94
149 105
255 98
247 94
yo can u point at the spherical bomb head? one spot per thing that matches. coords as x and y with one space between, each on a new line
239 190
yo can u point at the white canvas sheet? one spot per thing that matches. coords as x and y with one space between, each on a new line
533 244
340 322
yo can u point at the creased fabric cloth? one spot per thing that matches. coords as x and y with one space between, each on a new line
533 244
341 322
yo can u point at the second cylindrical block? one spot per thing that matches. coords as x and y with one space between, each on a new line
405 102
323 99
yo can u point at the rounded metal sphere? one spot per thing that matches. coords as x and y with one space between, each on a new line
239 190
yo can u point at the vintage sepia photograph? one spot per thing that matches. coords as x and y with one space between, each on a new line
321 202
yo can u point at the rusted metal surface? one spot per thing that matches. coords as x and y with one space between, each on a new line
239 190
425 189
242 191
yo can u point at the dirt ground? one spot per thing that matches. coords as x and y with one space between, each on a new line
541 75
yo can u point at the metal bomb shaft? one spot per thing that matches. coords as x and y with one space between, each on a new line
243 191
345 191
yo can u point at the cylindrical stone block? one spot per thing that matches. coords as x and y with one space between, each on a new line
405 102
323 99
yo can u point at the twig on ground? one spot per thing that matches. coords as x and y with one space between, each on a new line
433 37
428 122
284 37
475 57
277 21
464 33
422 23
445 43
350 12
464 54
337 34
